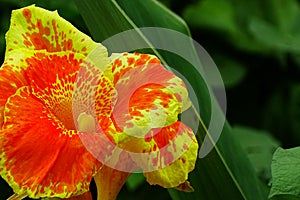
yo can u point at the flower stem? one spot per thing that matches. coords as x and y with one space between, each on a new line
109 183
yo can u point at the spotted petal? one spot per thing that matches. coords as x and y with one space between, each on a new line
165 155
149 96
36 29
38 156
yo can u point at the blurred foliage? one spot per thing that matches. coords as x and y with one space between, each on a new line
256 45
262 39
260 146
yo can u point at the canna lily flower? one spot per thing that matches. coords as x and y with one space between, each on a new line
70 113
41 154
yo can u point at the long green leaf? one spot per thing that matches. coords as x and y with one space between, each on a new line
225 173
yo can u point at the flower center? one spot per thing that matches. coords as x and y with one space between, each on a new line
86 123
63 111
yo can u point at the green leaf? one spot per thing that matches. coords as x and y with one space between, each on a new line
135 180
280 31
231 70
286 173
228 20
269 35
225 173
260 146
160 15
285 16
215 14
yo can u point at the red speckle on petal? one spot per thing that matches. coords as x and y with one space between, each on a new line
55 34
185 147
130 60
142 60
83 49
70 44
154 60
117 63
47 31
154 147
27 15
39 42
166 135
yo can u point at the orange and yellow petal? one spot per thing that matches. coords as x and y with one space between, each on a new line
94 94
150 106
68 83
38 156
149 69
149 96
45 68
35 28
166 155
11 77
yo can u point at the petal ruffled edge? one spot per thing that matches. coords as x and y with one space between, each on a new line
183 147
149 96
37 28
174 174
165 155
11 77
123 63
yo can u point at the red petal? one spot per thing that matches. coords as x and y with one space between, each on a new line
39 156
